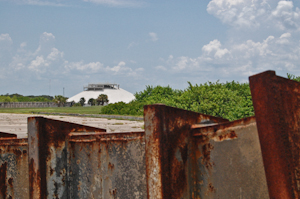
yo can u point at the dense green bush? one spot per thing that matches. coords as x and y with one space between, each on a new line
231 100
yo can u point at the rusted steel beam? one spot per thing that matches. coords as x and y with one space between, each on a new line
107 165
276 103
226 161
167 132
14 181
48 156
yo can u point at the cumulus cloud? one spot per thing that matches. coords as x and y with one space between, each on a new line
153 36
256 13
241 59
278 49
48 62
214 47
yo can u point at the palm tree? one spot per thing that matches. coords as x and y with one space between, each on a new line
102 99
60 100
91 102
81 101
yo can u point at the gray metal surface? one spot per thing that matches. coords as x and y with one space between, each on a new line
107 166
229 161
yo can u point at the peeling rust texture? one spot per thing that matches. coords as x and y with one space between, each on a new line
276 103
226 161
13 168
48 155
167 132
107 166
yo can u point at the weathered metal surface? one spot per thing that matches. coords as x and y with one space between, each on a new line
48 156
167 135
276 103
14 181
107 166
226 161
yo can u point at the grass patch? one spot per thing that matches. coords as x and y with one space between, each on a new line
118 123
75 110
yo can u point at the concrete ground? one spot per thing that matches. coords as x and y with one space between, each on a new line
17 123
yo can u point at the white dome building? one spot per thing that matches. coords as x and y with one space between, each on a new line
113 92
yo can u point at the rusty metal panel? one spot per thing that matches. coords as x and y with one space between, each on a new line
226 161
107 166
276 103
14 180
48 156
167 135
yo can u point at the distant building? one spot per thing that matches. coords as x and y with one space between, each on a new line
113 92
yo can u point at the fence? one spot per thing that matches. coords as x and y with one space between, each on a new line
27 104
181 154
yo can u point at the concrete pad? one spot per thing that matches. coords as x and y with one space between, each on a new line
17 123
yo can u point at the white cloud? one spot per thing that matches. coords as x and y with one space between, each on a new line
40 2
256 13
214 47
38 65
87 68
5 37
153 36
55 54
239 60
5 42
285 17
122 3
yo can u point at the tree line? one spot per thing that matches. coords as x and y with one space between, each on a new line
20 98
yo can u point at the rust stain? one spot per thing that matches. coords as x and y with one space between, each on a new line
3 176
206 150
211 188
111 166
230 136
10 182
34 180
113 192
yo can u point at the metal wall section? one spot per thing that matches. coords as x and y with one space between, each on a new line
14 178
276 103
190 155
48 155
227 162
107 166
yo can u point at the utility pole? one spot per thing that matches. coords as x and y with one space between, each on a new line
49 87
63 91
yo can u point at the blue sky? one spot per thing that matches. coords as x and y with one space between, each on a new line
46 46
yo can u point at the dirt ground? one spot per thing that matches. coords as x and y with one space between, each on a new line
17 123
